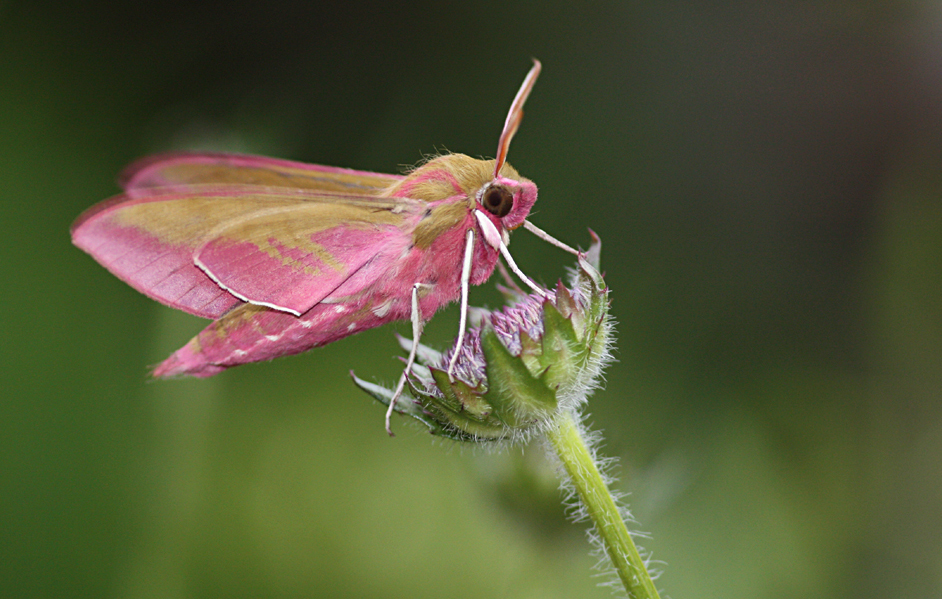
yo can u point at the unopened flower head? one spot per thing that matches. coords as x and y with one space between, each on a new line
518 367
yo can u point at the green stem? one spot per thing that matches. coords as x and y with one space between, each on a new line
577 460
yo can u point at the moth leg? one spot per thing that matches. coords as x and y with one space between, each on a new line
465 283
505 274
492 236
550 239
416 333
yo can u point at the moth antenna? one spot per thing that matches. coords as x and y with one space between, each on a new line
515 116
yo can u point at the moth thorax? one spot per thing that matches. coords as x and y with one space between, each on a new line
449 175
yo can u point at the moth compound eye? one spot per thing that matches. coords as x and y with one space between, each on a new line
498 201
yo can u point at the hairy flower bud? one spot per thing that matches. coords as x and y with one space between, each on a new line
518 367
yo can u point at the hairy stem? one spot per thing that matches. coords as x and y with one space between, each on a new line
572 450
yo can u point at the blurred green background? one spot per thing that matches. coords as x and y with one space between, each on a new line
765 177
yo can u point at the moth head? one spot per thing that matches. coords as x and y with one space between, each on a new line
509 200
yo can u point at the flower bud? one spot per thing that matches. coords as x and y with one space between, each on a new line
518 367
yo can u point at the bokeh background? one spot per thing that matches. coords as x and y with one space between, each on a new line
766 178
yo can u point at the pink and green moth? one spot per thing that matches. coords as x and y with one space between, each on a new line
286 256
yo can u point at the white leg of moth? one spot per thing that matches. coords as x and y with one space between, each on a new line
492 236
508 279
465 283
550 239
416 334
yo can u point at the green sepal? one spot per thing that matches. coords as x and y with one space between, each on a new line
561 355
593 319
530 351
439 419
452 413
594 255
462 397
462 426
404 405
594 314
517 396
564 301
